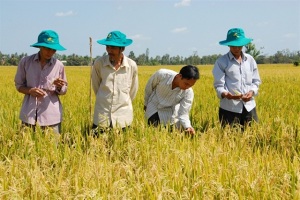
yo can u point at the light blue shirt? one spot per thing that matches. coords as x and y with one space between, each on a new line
231 76
172 105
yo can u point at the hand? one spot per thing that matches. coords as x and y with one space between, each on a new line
36 92
145 108
228 95
59 83
190 130
247 97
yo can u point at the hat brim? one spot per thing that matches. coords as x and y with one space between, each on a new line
236 43
57 47
112 43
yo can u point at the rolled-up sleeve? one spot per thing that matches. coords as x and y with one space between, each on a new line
64 88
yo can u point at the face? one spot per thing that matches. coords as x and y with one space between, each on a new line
46 53
114 52
236 51
186 83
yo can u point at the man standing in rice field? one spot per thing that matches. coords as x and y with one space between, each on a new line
115 84
42 78
236 81
169 97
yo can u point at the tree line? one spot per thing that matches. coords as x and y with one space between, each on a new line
284 56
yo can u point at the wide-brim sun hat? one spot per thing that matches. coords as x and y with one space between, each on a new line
49 39
116 38
236 38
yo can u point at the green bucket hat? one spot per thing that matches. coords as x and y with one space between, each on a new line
49 39
115 38
236 38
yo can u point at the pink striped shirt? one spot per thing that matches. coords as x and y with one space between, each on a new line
46 110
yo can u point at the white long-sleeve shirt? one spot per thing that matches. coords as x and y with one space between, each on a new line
172 105
230 76
115 91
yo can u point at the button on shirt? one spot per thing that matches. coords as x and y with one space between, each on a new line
232 76
172 105
114 90
45 110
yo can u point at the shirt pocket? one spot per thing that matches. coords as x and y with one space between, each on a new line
124 82
233 72
248 76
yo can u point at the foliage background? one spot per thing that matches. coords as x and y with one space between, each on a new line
283 56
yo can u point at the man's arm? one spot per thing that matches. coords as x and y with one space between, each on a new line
96 76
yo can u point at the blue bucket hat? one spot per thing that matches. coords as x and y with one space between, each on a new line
236 38
115 38
49 39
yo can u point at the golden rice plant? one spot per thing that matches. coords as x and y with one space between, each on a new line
150 163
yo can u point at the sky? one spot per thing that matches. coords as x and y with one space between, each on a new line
174 27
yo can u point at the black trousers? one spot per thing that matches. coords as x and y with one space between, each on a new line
154 120
232 118
96 130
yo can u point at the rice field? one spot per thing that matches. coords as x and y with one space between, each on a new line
147 163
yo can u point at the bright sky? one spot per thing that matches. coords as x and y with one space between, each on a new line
174 27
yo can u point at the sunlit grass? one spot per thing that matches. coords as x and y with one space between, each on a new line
149 163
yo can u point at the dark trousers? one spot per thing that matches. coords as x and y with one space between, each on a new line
96 130
232 118
154 120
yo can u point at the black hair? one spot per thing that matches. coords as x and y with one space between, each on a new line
190 72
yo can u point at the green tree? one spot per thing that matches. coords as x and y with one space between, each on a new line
165 59
132 56
141 59
147 56
251 49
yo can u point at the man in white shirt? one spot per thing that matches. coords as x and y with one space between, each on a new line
169 97
115 84
236 81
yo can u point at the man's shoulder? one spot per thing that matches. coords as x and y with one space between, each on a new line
166 71
225 56
105 57
101 59
129 61
31 57
224 59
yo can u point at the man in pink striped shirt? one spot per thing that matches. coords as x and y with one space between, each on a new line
42 78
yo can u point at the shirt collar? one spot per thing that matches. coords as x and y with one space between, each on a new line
171 78
124 63
37 58
231 56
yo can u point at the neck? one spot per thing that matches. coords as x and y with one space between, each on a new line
116 61
43 60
